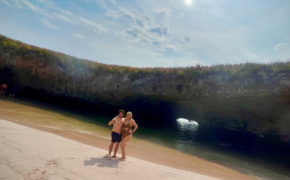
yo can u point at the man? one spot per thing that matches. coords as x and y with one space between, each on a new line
116 133
14 91
3 88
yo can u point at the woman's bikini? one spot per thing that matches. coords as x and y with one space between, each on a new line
126 129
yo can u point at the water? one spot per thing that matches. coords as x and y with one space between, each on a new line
180 136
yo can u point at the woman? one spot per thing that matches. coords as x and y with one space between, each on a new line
3 88
127 133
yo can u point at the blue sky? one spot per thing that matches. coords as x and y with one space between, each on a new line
154 33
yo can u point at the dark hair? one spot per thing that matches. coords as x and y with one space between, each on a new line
121 110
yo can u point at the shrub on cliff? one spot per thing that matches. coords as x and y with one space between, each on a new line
72 64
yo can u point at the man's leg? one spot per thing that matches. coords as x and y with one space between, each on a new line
111 148
116 149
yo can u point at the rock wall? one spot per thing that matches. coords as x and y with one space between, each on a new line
258 103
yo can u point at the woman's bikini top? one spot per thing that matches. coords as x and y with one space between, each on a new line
128 131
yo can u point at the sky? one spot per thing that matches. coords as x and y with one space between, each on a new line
154 33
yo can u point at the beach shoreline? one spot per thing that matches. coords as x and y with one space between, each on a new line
199 166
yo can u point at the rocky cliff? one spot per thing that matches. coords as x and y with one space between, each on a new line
246 98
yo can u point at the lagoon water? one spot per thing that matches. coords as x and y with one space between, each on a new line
180 136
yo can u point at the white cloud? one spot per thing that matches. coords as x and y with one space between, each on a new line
62 14
164 12
5 2
161 30
282 52
157 36
186 39
144 30
53 6
48 4
47 23
94 30
111 23
113 14
180 15
35 8
133 17
102 3
17 3
64 18
113 2
280 46
78 36
96 26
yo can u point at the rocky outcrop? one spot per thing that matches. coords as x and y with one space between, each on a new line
257 103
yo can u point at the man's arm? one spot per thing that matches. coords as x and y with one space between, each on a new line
111 122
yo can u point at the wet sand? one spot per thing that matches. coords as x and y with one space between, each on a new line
160 155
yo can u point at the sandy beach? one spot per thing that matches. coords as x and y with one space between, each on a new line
32 154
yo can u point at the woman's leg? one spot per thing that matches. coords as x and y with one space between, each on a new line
123 146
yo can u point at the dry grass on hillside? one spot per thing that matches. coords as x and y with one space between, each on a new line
25 50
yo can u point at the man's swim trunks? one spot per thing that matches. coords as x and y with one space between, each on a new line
116 137
15 90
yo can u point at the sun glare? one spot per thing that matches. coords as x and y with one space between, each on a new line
188 1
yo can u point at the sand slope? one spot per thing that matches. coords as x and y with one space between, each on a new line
27 153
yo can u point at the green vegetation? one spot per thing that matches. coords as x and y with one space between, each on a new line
70 63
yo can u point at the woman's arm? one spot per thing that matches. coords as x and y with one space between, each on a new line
135 126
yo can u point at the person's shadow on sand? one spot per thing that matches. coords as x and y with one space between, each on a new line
102 162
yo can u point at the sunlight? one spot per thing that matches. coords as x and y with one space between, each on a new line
188 2
186 121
